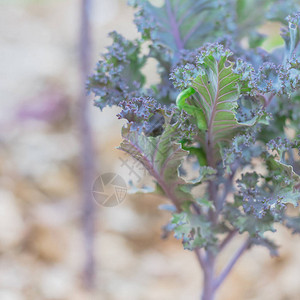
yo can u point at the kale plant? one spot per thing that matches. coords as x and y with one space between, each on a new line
224 106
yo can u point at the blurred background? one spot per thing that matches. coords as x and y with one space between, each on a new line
56 242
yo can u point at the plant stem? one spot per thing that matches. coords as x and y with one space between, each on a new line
231 264
227 239
207 263
209 289
227 189
200 257
87 153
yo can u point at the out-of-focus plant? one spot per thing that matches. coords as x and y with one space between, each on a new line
223 105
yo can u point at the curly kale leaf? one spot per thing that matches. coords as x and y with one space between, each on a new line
194 230
118 76
261 200
213 94
282 77
161 155
181 24
177 26
291 36
144 115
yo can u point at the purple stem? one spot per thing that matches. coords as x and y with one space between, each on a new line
228 187
227 239
231 264
211 283
87 150
200 257
209 289
267 100
158 176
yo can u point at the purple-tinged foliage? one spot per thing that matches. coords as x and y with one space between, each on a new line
237 109
143 114
179 25
118 75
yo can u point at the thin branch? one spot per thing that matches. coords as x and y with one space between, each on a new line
231 264
270 98
227 239
267 100
213 214
228 186
196 208
160 180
